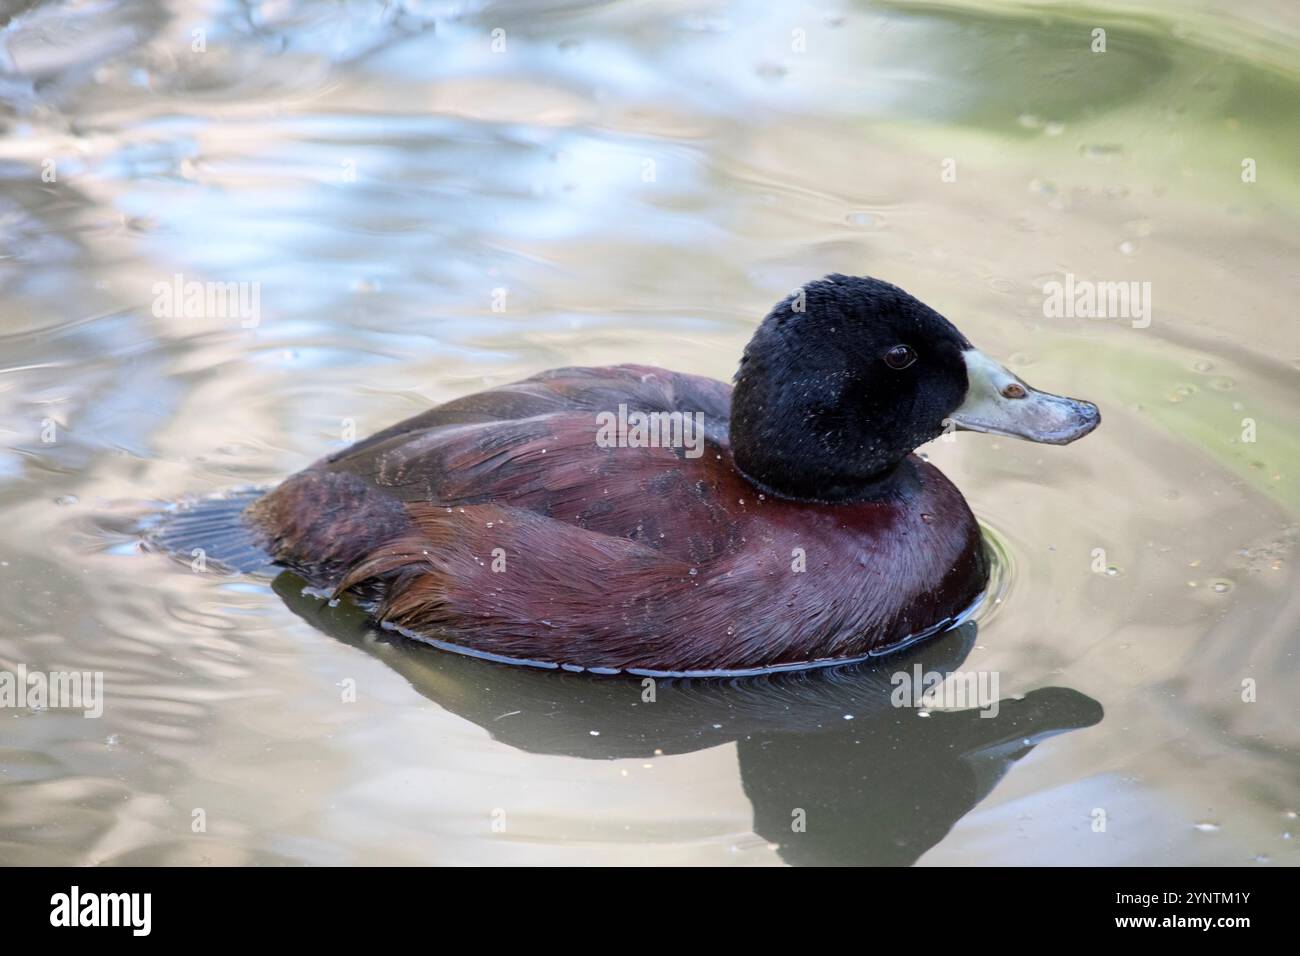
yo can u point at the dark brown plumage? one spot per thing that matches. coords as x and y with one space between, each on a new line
617 557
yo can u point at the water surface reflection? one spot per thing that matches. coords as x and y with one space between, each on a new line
868 782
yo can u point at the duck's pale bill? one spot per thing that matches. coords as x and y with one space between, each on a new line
1001 403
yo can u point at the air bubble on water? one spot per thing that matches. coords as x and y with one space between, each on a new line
1112 571
66 500
1100 151
1206 827
1127 247
1221 586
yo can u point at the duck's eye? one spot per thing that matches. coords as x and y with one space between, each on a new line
900 356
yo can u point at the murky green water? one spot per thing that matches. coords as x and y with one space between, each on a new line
423 216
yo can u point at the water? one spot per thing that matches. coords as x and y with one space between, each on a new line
422 217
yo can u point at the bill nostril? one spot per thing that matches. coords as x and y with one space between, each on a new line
1014 390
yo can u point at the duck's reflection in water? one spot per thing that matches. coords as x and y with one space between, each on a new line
836 773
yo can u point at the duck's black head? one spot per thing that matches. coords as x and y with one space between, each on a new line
847 375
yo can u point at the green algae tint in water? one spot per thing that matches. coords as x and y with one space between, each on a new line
421 212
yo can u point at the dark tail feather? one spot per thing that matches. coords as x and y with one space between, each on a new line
217 528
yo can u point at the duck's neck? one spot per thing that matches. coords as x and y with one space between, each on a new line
830 487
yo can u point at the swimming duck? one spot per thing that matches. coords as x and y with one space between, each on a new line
797 527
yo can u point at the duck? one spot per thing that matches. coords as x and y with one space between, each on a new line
785 521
